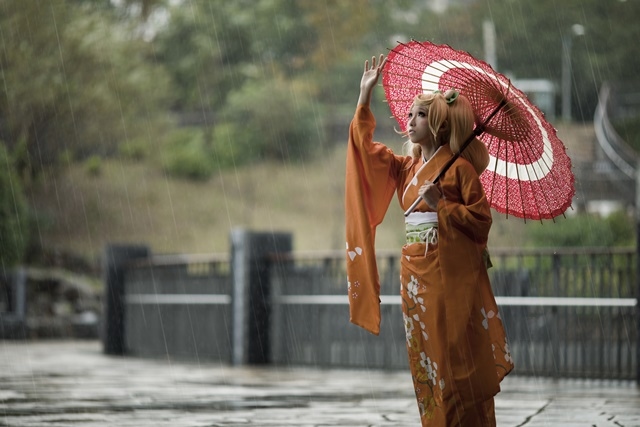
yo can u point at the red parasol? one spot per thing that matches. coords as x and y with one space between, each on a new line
529 173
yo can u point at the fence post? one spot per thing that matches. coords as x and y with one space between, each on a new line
638 272
114 262
13 325
555 346
251 294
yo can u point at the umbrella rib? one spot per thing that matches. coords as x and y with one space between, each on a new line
520 187
424 72
442 65
506 188
556 180
544 196
550 169
408 77
500 142
400 100
391 61
546 200
493 181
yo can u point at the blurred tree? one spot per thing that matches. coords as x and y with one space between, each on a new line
293 36
529 36
73 81
213 47
261 53
205 52
139 9
273 119
13 214
143 7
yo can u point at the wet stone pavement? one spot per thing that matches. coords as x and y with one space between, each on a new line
55 383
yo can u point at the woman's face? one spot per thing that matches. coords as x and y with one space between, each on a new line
418 126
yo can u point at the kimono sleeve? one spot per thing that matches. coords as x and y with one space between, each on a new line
470 214
370 183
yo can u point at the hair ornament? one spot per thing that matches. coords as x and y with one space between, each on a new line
451 95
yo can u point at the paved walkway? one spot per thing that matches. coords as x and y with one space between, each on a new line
73 384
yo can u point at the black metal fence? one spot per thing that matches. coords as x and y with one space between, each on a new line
178 307
573 312
569 313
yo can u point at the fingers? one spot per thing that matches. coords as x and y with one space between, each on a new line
427 188
380 62
383 60
375 63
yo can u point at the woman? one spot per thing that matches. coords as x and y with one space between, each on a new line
456 342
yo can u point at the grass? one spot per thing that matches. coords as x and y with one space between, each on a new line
629 131
135 202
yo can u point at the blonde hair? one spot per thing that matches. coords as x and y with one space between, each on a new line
438 112
462 121
451 119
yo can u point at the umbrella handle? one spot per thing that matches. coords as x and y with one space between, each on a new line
477 131
413 206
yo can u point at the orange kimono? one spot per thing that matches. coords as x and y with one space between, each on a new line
457 347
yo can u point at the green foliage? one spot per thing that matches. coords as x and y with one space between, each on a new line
584 230
529 42
14 229
133 150
64 158
93 165
294 37
74 78
187 155
232 146
80 78
629 131
203 49
212 48
276 120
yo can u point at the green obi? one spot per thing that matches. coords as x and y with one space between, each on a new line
422 233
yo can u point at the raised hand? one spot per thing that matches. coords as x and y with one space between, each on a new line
370 78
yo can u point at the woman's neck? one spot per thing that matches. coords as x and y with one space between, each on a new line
428 151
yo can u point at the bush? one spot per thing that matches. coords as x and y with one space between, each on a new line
584 230
134 150
277 119
14 229
629 131
65 158
93 165
232 146
188 156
